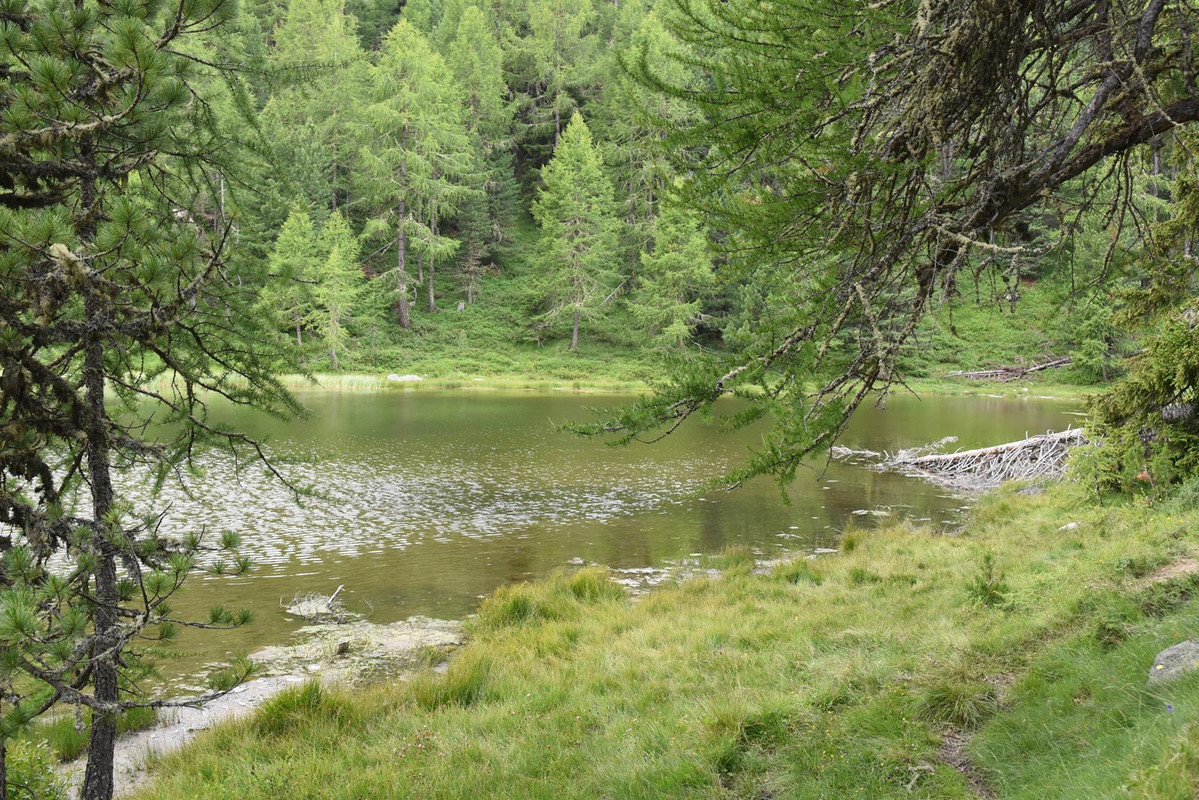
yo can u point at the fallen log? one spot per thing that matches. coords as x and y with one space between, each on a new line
1036 459
1010 373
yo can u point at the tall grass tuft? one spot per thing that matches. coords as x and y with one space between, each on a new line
462 685
557 598
956 700
798 572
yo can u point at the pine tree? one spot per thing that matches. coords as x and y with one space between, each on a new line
338 287
115 284
578 229
676 277
417 157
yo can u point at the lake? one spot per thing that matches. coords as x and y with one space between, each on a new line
430 500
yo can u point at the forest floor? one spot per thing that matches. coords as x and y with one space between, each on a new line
1008 658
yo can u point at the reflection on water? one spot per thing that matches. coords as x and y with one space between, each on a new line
429 500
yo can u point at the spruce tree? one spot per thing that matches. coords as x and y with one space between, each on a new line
575 210
117 307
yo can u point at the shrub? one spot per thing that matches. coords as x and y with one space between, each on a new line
31 774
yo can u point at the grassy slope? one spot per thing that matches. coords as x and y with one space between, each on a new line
846 677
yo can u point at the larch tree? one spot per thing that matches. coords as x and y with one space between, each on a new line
559 45
317 46
291 272
477 63
676 277
633 120
338 287
116 309
576 213
416 157
878 154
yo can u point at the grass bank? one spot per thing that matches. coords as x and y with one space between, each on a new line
365 382
1008 660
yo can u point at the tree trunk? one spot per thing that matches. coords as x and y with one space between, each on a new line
574 334
98 779
105 644
333 358
401 212
401 277
432 299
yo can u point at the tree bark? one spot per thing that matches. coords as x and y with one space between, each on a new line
105 644
98 778
432 300
574 334
401 212
401 279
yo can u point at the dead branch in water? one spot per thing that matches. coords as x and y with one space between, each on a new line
1037 458
1010 373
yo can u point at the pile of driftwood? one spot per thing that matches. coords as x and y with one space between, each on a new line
1012 373
1035 459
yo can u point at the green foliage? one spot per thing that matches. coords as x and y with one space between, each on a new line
339 287
31 774
1095 357
988 588
676 277
1145 426
576 215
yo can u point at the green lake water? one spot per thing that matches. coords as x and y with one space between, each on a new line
432 500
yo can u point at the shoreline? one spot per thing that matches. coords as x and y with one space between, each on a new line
932 387
1041 617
